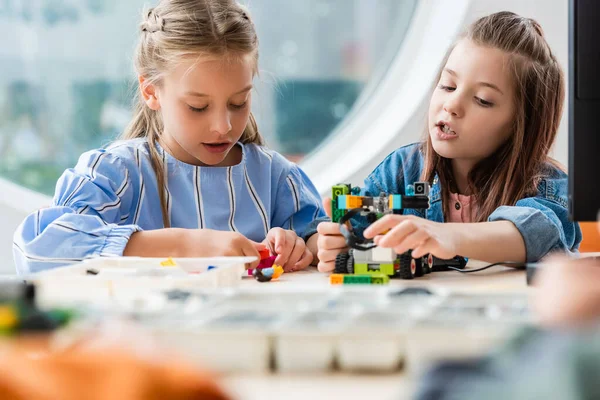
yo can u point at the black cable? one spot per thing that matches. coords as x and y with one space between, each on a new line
514 264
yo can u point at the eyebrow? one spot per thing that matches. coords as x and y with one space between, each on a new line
486 84
198 94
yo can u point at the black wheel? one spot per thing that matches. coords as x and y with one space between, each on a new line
426 269
341 263
428 263
350 262
419 269
408 266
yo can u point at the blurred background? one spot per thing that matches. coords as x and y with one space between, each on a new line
334 74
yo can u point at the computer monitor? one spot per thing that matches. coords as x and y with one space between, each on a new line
584 109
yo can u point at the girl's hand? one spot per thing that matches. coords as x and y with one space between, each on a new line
567 294
179 242
212 243
292 253
408 232
330 243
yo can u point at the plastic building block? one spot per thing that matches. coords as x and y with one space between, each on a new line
348 202
376 269
364 257
278 271
380 279
338 190
357 279
264 253
267 274
266 261
8 318
261 275
168 263
19 313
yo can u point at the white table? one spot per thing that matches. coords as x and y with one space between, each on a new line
355 386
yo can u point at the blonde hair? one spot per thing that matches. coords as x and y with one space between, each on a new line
514 170
176 30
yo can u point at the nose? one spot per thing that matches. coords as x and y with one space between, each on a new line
453 104
221 123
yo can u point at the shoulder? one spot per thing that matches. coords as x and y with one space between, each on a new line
130 150
406 158
553 184
113 161
403 165
265 158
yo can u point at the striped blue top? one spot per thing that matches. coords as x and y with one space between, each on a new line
113 192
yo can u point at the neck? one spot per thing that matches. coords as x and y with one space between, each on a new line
460 172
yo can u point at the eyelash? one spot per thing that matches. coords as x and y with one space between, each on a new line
236 107
479 100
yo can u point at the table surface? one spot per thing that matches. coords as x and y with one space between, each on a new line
358 386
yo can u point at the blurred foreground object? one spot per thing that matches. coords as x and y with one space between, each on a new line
29 371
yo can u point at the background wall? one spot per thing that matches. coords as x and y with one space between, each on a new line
551 14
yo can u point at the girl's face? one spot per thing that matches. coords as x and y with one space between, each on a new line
205 107
472 109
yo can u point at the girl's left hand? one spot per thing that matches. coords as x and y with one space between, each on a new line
292 253
408 232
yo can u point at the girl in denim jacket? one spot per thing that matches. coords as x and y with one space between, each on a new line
496 194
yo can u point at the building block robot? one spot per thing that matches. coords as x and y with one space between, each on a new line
364 257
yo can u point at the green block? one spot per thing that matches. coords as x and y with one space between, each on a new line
336 214
361 269
357 279
380 279
337 190
386 269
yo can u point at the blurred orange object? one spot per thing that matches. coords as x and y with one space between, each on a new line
98 375
591 237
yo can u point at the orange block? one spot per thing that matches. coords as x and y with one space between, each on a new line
354 201
336 279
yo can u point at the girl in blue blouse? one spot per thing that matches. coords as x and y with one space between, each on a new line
191 176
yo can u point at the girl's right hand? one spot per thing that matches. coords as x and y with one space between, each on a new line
330 242
178 242
212 243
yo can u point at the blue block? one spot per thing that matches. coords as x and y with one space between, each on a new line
396 202
342 202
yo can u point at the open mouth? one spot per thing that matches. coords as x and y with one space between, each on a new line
445 128
217 147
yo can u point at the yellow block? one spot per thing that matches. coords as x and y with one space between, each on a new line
336 279
8 317
168 263
277 271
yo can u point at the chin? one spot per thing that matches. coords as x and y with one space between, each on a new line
444 149
210 159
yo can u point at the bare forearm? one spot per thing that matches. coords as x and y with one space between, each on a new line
491 241
156 243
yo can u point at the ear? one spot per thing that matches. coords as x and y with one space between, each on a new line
149 93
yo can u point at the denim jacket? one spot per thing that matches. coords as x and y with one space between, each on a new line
542 220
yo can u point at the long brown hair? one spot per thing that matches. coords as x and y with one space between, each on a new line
175 30
514 170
